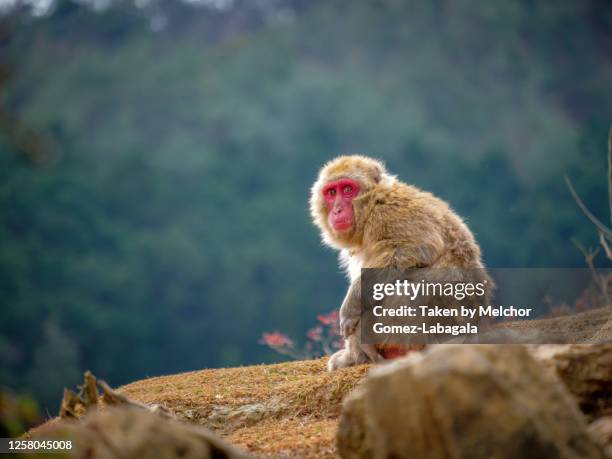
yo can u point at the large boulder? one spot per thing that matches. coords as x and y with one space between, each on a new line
110 425
586 371
127 432
477 401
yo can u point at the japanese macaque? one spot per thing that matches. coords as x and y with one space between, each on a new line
376 221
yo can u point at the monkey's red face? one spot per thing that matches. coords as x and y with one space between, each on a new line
339 197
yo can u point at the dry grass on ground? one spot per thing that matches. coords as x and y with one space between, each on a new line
287 409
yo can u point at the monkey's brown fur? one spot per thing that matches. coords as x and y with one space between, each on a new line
396 225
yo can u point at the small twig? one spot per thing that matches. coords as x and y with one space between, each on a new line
605 231
601 281
604 244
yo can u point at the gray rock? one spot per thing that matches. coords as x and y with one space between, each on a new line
245 414
126 432
464 401
601 430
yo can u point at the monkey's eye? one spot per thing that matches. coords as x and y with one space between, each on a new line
347 189
331 192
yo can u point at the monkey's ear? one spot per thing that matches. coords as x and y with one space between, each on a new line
377 173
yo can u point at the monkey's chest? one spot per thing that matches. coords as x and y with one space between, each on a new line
354 267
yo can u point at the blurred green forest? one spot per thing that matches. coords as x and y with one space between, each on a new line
156 158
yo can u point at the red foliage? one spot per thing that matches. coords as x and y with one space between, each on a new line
315 334
331 318
276 339
322 339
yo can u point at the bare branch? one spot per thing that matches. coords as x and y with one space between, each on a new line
588 254
610 170
604 244
607 232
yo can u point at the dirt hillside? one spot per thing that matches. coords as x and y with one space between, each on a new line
292 409
288 409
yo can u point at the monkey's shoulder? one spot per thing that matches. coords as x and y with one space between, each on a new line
405 213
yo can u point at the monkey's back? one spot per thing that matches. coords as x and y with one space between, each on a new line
418 225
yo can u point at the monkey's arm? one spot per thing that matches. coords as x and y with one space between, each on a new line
387 254
350 311
403 254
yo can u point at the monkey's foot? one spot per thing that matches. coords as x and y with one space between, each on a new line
340 359
345 358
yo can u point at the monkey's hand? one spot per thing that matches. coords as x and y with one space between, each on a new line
348 325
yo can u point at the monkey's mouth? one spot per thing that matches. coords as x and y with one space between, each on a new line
343 224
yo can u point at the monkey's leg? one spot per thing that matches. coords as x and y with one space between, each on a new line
370 351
